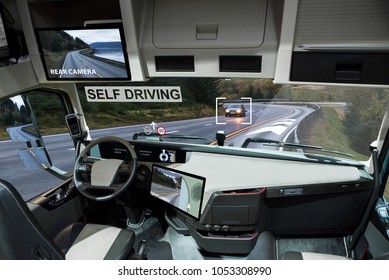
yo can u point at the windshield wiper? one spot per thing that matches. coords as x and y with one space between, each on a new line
276 143
188 137
156 136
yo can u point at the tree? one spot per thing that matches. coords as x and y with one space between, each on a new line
363 116
24 115
9 119
269 89
204 90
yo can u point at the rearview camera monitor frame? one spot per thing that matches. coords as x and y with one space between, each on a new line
84 53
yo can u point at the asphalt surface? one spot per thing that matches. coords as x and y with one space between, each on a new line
17 134
267 121
89 67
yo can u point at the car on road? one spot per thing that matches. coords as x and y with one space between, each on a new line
235 110
137 160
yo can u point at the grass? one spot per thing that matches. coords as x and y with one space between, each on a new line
3 133
54 60
328 132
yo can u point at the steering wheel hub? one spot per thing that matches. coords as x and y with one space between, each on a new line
103 184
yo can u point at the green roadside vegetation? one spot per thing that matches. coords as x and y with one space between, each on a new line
54 60
356 125
328 132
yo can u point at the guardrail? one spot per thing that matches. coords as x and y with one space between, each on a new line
305 123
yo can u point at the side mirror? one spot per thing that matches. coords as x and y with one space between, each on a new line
18 118
73 122
21 126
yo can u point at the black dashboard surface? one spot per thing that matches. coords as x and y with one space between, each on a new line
145 153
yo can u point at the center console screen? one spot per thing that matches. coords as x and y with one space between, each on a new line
182 190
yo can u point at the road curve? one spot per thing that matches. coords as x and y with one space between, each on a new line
79 66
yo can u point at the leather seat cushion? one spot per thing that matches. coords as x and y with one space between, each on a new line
79 241
291 255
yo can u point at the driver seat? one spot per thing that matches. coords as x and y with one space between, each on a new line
21 236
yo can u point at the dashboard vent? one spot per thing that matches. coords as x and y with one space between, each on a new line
251 64
174 63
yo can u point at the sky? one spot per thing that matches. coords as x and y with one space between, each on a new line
18 100
90 36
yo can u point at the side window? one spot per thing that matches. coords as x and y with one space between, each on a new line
386 191
33 141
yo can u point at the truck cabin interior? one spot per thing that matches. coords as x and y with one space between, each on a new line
194 130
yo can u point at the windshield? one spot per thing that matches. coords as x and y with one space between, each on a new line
344 119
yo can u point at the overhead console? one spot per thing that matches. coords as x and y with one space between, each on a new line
211 38
334 42
294 41
221 38
216 26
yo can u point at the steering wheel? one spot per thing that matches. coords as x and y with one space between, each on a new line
102 185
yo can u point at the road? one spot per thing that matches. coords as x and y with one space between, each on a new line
268 121
77 65
17 134
171 196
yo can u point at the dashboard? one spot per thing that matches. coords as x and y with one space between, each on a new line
234 194
145 153
234 169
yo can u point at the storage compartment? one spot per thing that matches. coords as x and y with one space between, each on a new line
209 24
224 243
333 213
229 224
233 208
341 67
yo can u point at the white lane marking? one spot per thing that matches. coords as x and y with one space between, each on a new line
170 132
275 129
207 124
71 149
283 123
57 135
